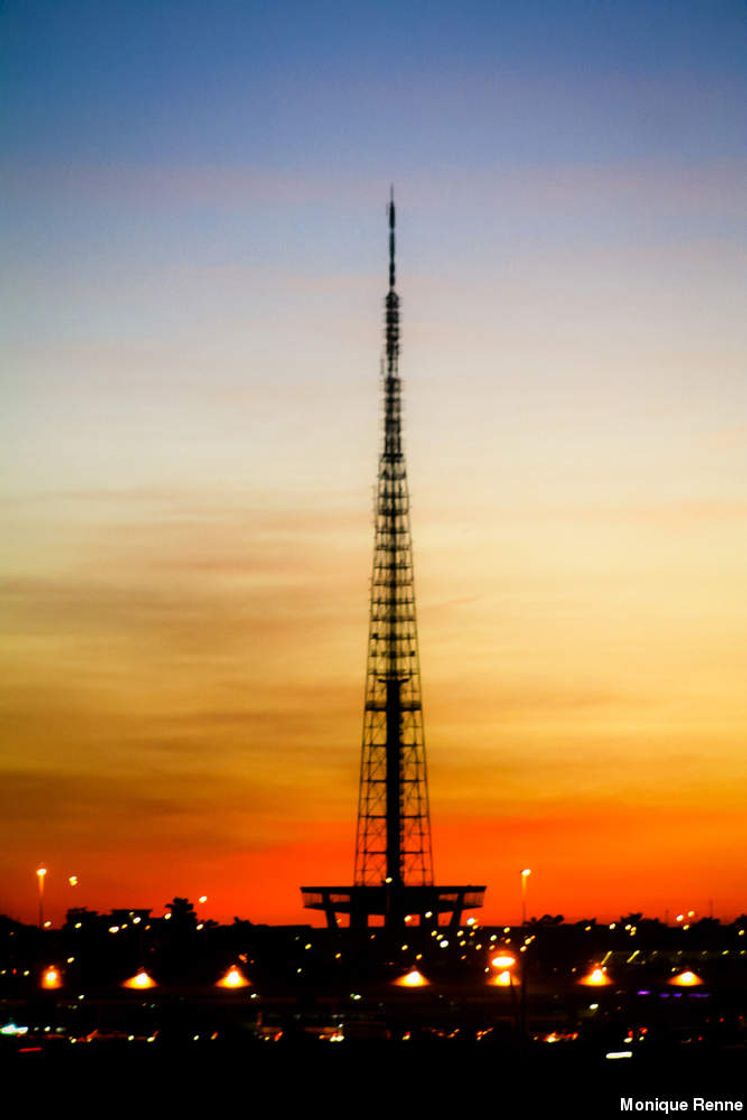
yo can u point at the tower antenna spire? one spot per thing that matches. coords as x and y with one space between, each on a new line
392 225
392 299
393 856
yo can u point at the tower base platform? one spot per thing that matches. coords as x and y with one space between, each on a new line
390 904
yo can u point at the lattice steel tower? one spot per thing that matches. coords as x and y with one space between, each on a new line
393 856
394 829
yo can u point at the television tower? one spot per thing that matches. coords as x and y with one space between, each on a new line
393 855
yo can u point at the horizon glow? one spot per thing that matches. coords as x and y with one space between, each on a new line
195 265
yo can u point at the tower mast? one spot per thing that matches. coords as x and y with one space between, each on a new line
393 856
394 836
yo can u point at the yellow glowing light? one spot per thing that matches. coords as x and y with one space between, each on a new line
501 980
503 960
412 979
51 978
526 872
72 880
686 979
234 978
140 981
202 898
597 978
41 872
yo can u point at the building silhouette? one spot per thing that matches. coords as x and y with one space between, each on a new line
393 860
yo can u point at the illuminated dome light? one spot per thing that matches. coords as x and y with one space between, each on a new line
234 978
503 960
501 980
686 979
412 979
51 978
597 978
140 981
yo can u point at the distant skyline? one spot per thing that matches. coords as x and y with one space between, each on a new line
194 248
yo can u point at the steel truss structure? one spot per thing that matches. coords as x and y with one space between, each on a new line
393 855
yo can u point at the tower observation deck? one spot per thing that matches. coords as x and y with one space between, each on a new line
393 855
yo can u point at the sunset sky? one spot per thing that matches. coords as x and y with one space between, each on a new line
194 248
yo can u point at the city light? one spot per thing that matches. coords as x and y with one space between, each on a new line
525 873
140 981
234 978
597 978
503 960
501 980
51 978
41 873
412 979
686 979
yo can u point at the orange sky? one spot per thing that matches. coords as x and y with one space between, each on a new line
195 244
184 696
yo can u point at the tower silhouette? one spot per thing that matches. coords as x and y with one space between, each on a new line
393 854
394 832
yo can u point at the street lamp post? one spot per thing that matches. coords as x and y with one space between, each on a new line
41 873
526 872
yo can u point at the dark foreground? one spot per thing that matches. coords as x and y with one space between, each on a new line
393 1078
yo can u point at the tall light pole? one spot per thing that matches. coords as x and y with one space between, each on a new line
40 876
526 872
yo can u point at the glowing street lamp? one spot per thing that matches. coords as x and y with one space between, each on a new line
597 978
41 873
686 979
412 979
51 978
525 873
502 979
505 963
140 981
233 978
504 960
